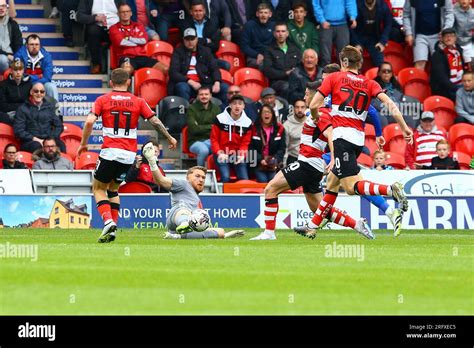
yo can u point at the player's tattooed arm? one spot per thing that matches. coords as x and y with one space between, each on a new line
86 132
160 127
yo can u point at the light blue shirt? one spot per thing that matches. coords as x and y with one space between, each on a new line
200 28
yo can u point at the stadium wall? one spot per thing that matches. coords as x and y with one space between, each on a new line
245 211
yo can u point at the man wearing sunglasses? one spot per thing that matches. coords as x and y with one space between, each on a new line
36 120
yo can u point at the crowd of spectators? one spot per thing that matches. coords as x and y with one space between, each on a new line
290 41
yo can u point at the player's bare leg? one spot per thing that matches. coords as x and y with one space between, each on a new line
276 186
103 206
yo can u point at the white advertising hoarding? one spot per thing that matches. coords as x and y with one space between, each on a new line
15 181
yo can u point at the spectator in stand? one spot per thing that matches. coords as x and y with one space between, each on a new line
268 144
140 171
128 40
230 139
423 148
303 33
397 33
423 20
207 28
192 67
217 10
11 8
257 36
333 16
14 91
49 157
140 14
38 64
241 12
293 128
446 66
54 9
443 161
166 14
379 161
98 16
200 118
465 100
387 80
249 107
464 26
36 120
306 71
280 60
281 9
268 96
10 37
9 160
68 10
375 22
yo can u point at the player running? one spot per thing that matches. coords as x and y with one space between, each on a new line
351 94
120 112
184 200
308 172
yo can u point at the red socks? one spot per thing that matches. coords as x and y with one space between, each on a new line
324 208
115 208
367 188
340 217
271 211
104 210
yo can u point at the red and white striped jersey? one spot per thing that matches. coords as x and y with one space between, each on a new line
423 148
120 112
351 96
313 142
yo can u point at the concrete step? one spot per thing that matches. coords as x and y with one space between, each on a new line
78 81
75 67
49 39
38 25
29 11
81 94
64 53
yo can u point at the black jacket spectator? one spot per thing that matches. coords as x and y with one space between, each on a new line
440 74
277 145
210 31
442 163
41 122
383 22
206 66
237 21
16 39
13 95
297 82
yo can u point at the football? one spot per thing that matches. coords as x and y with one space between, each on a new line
200 220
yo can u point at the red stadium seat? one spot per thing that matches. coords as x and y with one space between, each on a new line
395 142
461 138
251 82
256 190
113 58
7 136
370 142
174 36
395 160
66 156
443 108
230 52
394 54
150 84
184 143
135 187
365 160
372 73
86 161
463 159
26 158
160 50
6 73
226 77
415 83
71 136
367 62
211 164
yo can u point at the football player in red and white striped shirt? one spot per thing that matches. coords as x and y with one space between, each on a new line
307 171
120 112
351 95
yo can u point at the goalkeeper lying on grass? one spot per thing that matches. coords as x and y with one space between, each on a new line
184 200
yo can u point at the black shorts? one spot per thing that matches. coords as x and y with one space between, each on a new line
106 171
300 173
345 158
139 62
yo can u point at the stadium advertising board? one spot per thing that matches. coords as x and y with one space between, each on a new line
427 182
16 181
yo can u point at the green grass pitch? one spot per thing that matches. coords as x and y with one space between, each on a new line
421 272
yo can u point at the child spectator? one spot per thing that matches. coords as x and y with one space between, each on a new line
443 160
379 161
